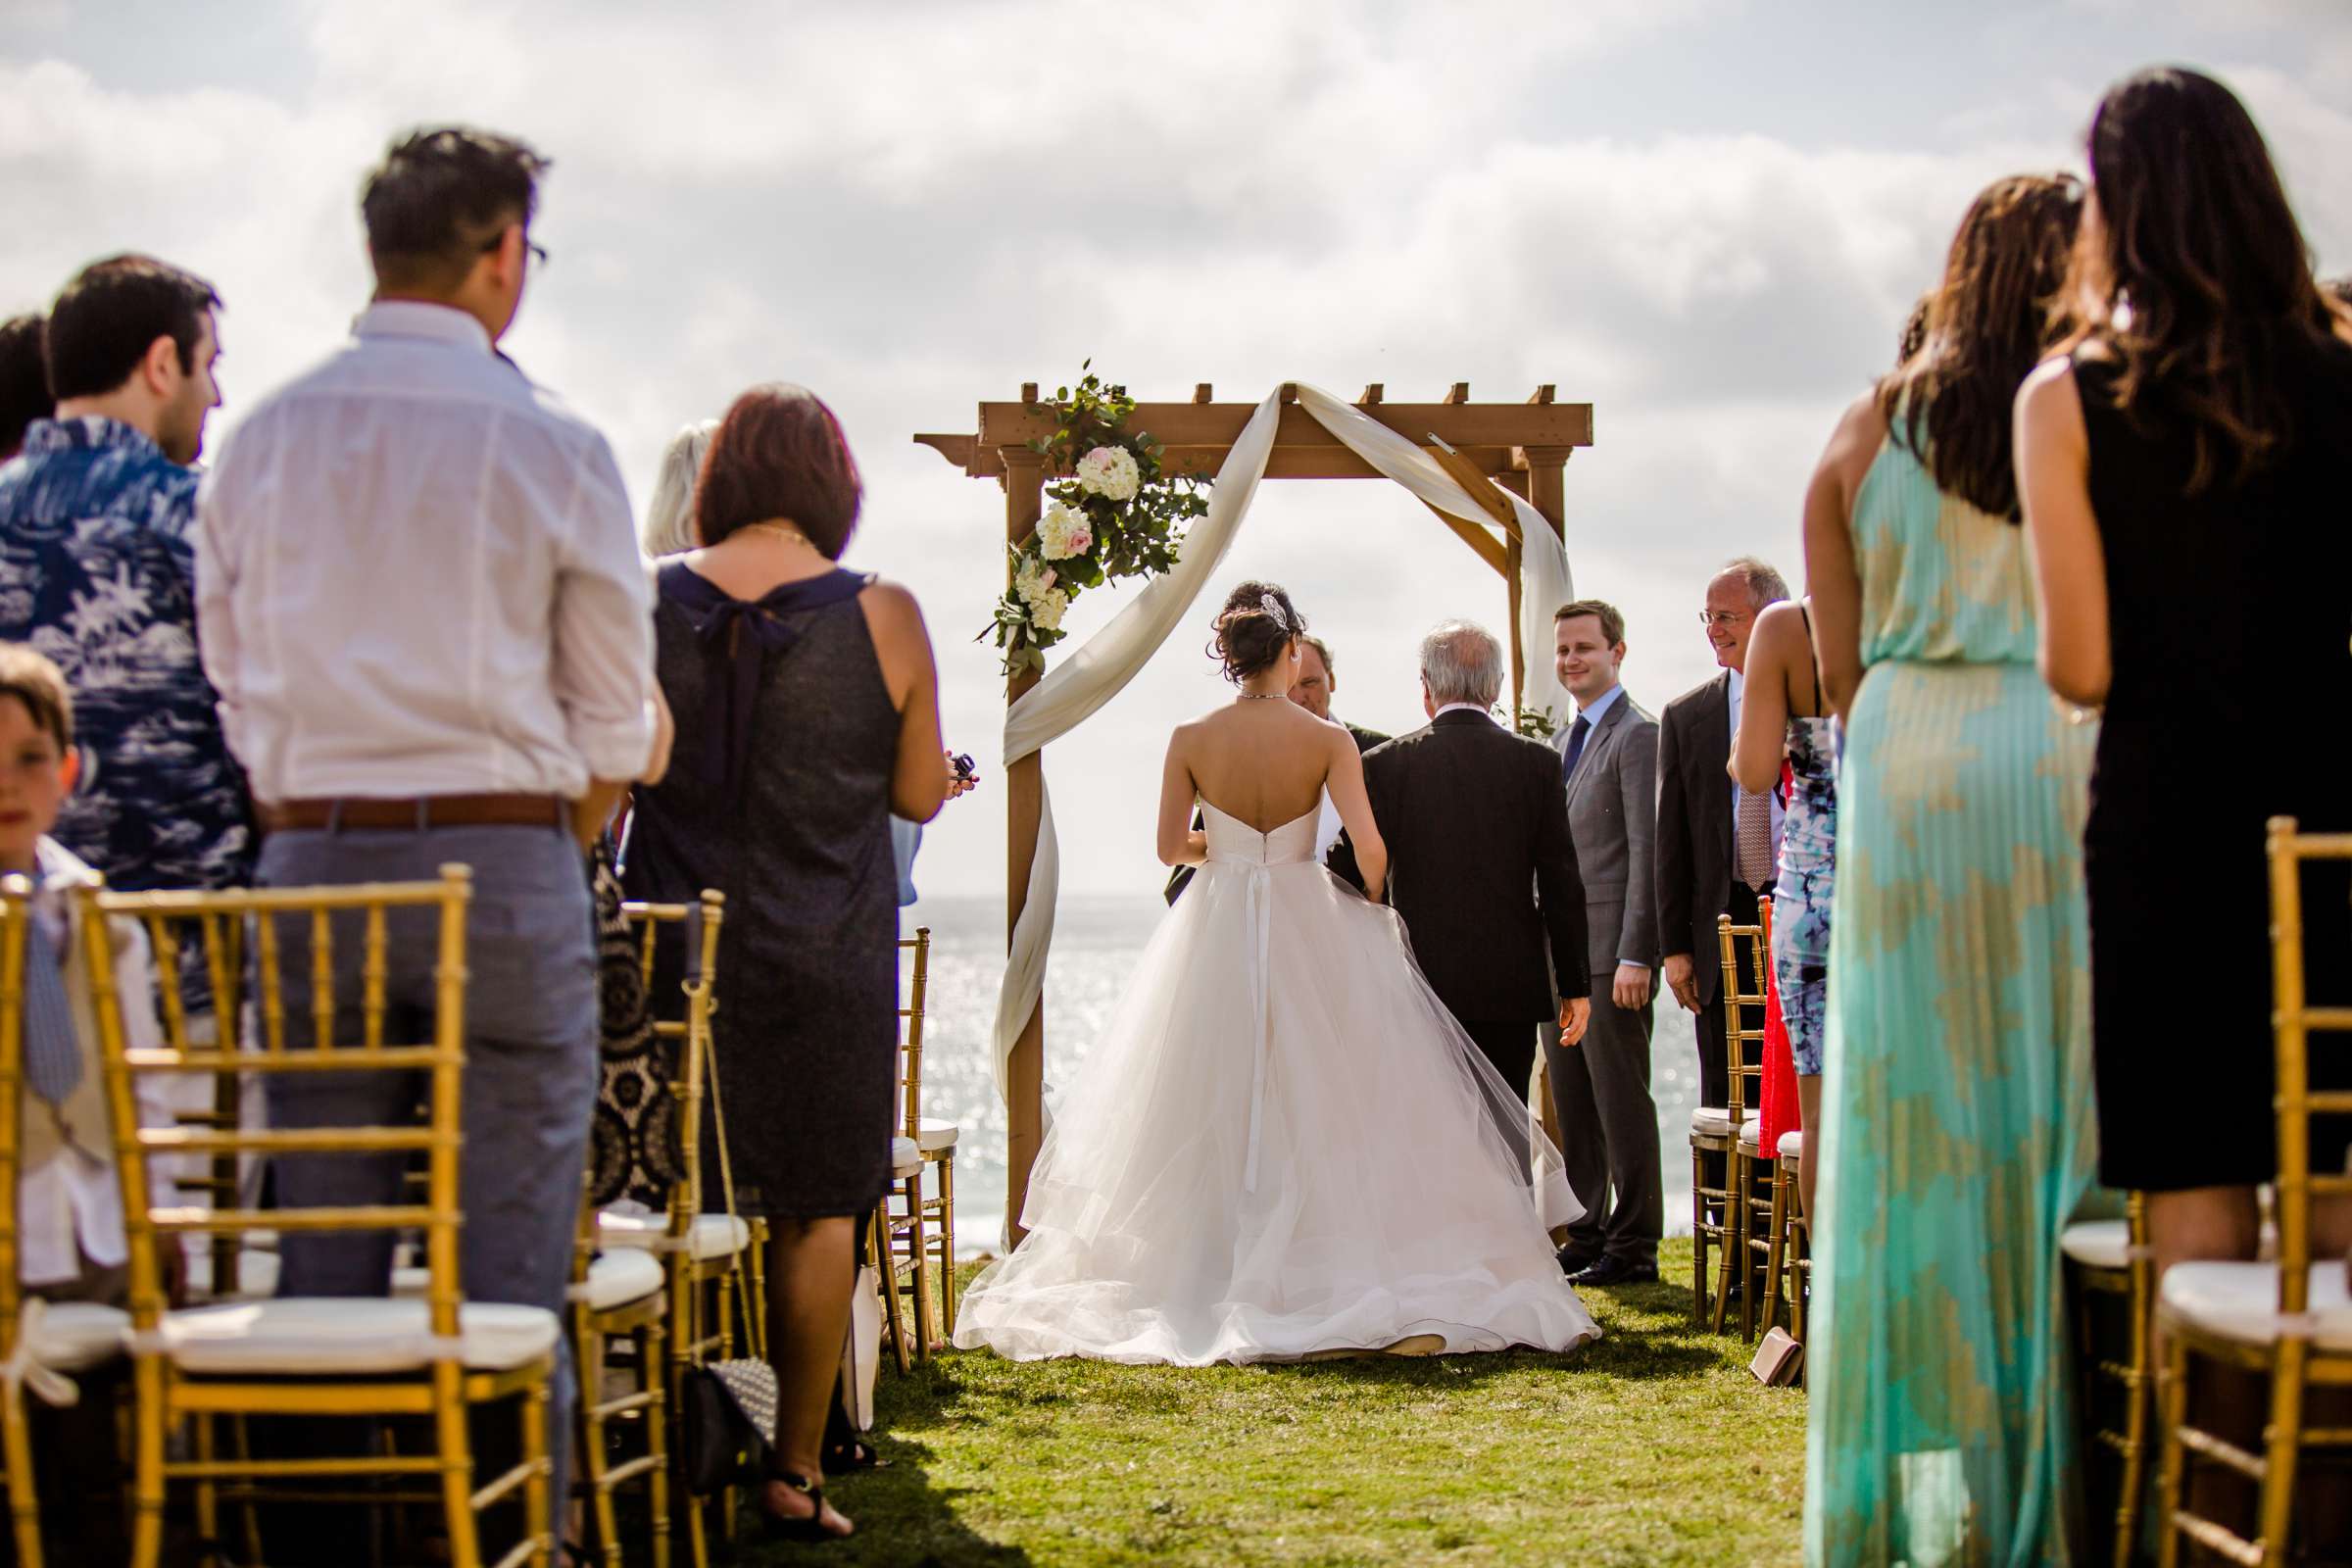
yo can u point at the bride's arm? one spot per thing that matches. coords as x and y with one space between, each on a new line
1180 844
1355 804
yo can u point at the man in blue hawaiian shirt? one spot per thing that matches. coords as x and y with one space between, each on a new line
97 570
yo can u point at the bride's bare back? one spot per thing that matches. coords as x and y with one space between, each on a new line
1266 761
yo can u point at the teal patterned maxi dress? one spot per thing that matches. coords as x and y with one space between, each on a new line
1957 1132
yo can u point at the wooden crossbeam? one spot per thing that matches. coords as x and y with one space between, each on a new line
1495 436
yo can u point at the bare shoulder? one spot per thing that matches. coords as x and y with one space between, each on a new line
2049 401
891 604
1854 444
1780 626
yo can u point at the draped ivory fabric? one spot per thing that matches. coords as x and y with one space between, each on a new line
1074 689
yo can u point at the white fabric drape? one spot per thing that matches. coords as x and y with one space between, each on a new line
1074 689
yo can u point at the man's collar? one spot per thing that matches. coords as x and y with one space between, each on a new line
88 432
1592 713
1470 711
442 324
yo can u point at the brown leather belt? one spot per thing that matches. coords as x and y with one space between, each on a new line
416 812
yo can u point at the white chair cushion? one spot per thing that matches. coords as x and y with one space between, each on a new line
76 1335
906 1158
621 1276
2241 1300
410 1282
1751 1135
2098 1242
711 1236
1711 1121
933 1136
1792 1144
319 1336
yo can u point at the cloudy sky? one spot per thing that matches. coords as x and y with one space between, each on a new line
1706 218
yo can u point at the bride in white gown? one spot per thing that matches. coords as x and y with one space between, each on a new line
1282 1143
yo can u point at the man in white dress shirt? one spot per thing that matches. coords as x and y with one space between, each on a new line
420 601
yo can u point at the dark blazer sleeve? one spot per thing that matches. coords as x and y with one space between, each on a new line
1559 890
1672 846
1637 779
1181 877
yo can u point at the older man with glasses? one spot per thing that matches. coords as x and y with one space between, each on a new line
1716 845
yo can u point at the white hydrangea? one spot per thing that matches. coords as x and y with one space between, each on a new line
1109 473
1046 603
1064 531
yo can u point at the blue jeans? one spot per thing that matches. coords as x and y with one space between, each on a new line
529 1080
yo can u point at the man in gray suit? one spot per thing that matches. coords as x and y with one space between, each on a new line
1600 1087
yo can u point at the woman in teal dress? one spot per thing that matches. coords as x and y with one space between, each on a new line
1957 1134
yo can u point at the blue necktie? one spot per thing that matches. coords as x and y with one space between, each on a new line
52 1056
1576 746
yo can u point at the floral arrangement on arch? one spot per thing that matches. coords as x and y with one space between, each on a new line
1112 512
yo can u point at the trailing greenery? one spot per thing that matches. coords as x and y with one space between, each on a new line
1110 512
1652 1446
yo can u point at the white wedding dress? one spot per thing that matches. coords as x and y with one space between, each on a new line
1282 1144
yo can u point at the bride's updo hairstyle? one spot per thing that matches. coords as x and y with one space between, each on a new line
1254 629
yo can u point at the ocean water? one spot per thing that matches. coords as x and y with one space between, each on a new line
1097 941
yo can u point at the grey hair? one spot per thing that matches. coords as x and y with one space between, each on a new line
1462 662
670 515
1764 585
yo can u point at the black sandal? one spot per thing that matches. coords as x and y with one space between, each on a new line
812 1528
854 1454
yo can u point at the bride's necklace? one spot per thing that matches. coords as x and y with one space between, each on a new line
1257 697
778 530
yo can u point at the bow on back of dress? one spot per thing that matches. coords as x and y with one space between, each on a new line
737 635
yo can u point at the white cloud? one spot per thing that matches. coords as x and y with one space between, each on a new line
917 207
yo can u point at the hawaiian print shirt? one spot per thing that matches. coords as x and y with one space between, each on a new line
98 571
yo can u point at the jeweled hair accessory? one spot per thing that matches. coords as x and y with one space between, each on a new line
1273 607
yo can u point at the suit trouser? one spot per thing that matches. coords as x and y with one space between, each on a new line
529 1080
1707 1026
1609 1128
1510 1045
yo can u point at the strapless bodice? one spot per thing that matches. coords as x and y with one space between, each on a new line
1231 840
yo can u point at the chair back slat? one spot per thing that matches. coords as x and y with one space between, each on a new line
910 1031
1744 988
16 912
684 1016
2293 1020
340 1038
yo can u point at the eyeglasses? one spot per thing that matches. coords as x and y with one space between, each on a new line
538 251
1722 618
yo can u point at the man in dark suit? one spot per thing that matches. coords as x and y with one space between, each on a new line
1479 862
1716 847
1318 679
1600 1088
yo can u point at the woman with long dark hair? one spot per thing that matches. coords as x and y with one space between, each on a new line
1955 1137
2184 465
807 715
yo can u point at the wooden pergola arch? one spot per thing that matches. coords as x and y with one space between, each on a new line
1521 447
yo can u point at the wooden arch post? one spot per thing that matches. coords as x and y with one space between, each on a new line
1523 447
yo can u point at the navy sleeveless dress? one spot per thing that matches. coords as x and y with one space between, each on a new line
778 795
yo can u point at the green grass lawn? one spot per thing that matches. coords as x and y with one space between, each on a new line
1654 1446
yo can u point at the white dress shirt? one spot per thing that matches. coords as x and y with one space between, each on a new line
1483 712
416 575
70 1206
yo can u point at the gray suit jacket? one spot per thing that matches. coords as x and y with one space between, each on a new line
1612 816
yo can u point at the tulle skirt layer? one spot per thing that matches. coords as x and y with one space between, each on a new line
1282 1143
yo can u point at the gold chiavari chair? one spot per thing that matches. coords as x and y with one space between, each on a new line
2110 1261
40 1343
438 1358
906 1244
704 1255
935 1139
1757 1170
1716 1208
1790 1265
2290 1319
620 1293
